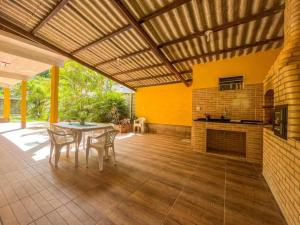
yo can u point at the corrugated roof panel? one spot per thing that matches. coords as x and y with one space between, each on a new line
57 38
25 13
88 56
101 13
142 8
80 23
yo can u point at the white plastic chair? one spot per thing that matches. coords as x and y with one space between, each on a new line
102 143
139 124
57 141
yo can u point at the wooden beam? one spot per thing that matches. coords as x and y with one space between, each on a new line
235 23
137 69
14 76
164 83
123 57
154 77
104 38
23 32
52 13
122 8
163 10
243 47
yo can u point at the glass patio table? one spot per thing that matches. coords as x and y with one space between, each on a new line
79 129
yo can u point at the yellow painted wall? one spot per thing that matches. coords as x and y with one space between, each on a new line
168 104
172 104
253 67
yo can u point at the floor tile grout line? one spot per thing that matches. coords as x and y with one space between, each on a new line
109 211
179 194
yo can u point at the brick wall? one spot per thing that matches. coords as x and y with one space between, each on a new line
240 104
224 140
282 172
253 137
173 130
281 158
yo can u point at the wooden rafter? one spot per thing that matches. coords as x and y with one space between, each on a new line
30 36
163 10
163 83
235 23
175 4
123 57
154 77
52 13
106 37
243 47
159 12
147 39
138 69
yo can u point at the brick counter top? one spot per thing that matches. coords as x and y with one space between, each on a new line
245 122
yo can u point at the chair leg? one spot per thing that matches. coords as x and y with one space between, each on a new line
114 155
57 154
68 150
51 151
106 153
100 157
87 152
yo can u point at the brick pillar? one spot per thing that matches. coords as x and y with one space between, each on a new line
6 108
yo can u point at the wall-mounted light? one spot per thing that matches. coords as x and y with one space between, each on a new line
208 35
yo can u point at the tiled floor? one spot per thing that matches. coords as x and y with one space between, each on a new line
158 180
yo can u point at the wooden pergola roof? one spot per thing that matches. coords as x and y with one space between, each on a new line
144 43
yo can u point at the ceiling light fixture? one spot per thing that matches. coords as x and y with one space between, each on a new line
208 35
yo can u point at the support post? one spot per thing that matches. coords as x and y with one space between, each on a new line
23 103
54 94
6 108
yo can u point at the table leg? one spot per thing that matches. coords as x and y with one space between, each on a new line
78 141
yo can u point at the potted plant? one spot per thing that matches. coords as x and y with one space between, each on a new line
125 125
83 115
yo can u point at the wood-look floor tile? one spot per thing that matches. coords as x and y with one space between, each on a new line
21 213
133 213
7 216
185 212
3 200
68 216
55 218
249 212
42 203
158 180
89 208
81 215
43 221
32 208
10 194
156 196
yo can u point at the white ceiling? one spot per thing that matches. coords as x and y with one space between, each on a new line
21 59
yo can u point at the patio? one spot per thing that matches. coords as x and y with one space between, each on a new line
215 82
158 180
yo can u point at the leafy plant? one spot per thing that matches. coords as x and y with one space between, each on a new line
84 95
110 108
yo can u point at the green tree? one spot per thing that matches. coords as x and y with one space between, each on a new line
83 92
83 95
